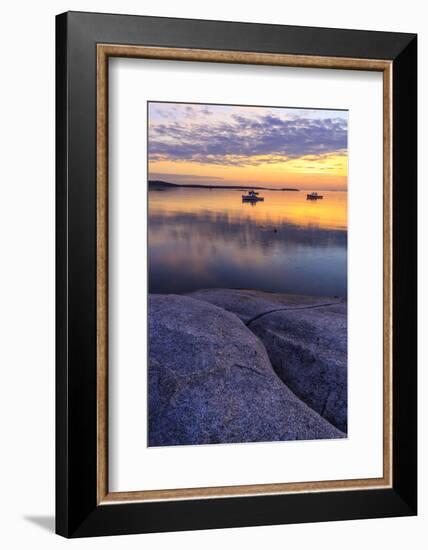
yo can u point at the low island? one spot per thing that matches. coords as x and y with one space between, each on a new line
157 185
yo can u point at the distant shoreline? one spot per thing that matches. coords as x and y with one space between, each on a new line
158 185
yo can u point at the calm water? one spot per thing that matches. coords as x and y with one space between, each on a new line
209 239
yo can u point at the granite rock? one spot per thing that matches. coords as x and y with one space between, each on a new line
211 381
305 338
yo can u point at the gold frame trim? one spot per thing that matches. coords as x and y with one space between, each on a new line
104 51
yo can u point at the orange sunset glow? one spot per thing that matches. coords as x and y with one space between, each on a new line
260 146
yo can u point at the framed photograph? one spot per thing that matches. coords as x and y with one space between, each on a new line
236 274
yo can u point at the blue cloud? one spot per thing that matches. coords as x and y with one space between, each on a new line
241 138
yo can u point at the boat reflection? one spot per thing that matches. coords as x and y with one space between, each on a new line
252 197
209 238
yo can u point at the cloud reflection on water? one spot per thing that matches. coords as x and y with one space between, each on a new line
209 239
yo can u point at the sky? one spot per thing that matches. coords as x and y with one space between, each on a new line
240 145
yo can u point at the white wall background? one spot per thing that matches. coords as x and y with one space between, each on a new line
27 88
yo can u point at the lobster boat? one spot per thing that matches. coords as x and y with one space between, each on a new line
313 196
252 196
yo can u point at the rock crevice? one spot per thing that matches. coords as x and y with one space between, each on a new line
305 338
218 384
260 315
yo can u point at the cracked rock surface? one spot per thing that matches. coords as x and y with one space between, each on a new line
305 338
211 381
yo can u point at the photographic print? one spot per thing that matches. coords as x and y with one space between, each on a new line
247 270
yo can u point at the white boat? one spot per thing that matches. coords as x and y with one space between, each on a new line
252 196
313 196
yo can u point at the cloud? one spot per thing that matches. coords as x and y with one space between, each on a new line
245 139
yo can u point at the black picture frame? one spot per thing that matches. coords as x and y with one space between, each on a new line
77 511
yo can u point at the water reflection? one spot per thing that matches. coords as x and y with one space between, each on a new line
208 238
